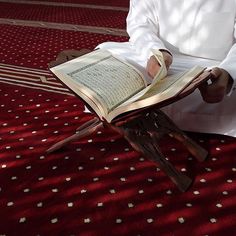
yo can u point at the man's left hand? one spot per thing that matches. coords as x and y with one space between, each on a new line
153 65
221 83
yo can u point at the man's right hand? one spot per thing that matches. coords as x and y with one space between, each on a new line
221 83
153 65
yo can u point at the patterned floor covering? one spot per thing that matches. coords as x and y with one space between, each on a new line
35 47
97 186
64 14
109 3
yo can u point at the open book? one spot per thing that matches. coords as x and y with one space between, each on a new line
112 86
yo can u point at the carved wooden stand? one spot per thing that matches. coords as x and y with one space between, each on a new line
144 134
143 131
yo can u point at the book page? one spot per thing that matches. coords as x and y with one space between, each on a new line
102 79
171 85
163 91
155 88
158 84
162 85
162 71
112 81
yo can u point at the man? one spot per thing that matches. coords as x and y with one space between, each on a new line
188 33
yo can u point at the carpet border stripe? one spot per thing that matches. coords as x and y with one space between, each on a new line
60 26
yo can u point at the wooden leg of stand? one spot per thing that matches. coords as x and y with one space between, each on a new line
164 121
144 133
83 131
196 150
148 147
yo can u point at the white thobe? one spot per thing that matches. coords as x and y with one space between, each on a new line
196 32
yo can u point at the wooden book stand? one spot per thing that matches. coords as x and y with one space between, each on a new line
143 130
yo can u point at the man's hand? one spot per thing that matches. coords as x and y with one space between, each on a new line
221 82
153 65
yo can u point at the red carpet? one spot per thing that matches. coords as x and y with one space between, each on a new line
35 47
96 186
58 14
118 3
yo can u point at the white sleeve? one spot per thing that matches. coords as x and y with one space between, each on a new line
229 63
142 26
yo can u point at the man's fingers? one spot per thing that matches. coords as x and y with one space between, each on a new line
216 72
153 66
167 59
209 95
215 91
